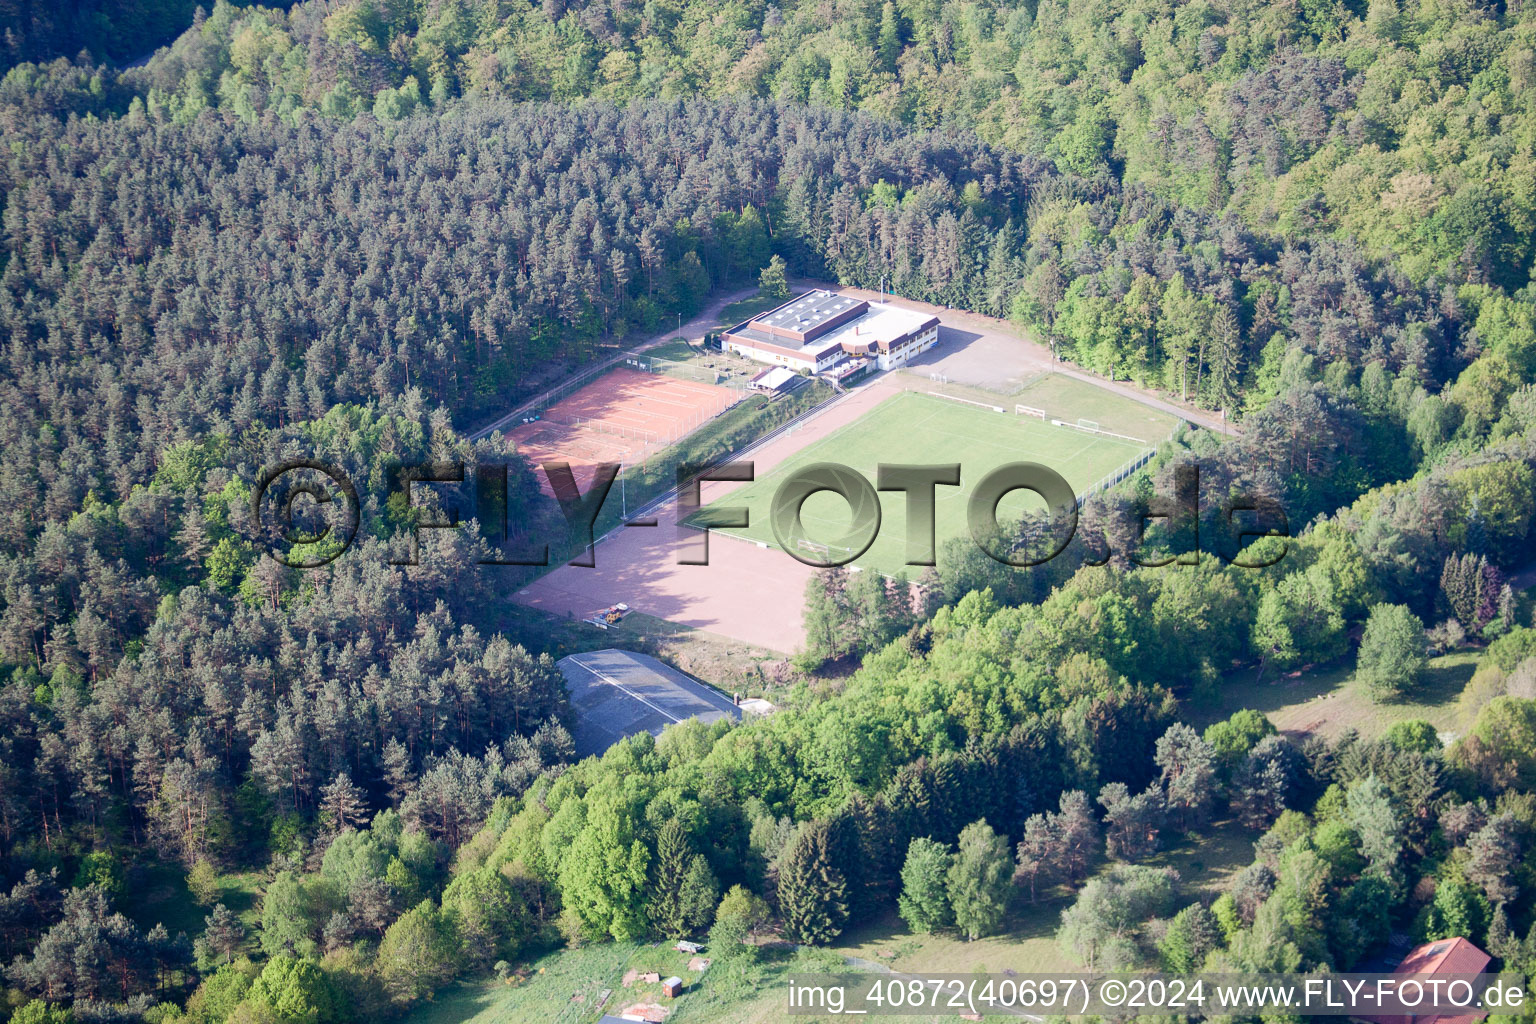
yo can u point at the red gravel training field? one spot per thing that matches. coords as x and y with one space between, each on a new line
746 592
623 416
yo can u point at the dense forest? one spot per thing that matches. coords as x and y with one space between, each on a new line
355 230
1221 173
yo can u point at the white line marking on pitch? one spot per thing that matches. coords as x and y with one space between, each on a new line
612 682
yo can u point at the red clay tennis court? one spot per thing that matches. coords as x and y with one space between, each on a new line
623 416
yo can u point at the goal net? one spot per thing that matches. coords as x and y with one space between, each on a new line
1029 410
1092 427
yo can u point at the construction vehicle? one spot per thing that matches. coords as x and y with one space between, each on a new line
610 616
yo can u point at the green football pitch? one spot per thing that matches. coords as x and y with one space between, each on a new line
915 428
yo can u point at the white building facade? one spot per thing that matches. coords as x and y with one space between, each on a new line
819 330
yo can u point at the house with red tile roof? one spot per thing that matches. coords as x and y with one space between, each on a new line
1442 958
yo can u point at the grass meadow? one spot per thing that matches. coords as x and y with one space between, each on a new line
913 427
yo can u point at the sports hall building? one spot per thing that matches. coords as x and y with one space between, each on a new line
818 330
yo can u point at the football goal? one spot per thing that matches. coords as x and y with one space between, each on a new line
1092 427
1029 410
967 401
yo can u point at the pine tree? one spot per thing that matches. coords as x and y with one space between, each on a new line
773 282
1188 766
700 893
1079 831
223 933
813 890
1252 886
1226 357
1263 783
1191 934
343 804
1493 856
397 771
1041 857
1132 823
192 537
674 853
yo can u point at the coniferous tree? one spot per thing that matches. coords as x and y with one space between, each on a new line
1225 380
1471 586
1191 934
397 771
1079 831
1374 820
867 847
1132 823
192 537
669 876
343 804
700 895
223 933
1501 938
829 621
773 282
1188 766
1264 783
813 890
1041 854
1252 886
1493 852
